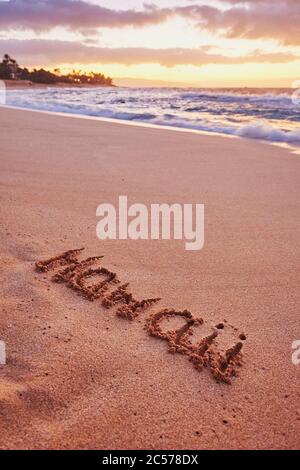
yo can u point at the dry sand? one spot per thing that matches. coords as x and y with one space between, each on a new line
79 376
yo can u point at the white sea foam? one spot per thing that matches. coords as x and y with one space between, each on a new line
262 131
258 114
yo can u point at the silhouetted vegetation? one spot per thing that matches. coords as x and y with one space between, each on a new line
10 70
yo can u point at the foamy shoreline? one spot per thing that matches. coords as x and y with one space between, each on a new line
266 115
292 148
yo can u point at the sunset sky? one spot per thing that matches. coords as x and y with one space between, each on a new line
199 43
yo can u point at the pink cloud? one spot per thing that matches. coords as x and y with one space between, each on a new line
36 52
41 15
252 19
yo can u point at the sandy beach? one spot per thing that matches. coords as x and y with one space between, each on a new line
79 376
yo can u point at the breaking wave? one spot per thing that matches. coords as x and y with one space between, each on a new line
270 115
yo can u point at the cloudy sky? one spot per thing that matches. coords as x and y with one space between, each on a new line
216 42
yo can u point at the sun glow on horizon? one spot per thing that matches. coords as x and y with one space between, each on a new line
241 75
172 49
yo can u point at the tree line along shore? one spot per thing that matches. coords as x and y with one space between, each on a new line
11 71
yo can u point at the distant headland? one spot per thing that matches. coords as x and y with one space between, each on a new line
13 74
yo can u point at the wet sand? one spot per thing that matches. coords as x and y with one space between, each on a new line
78 375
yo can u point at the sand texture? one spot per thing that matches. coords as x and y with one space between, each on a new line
141 344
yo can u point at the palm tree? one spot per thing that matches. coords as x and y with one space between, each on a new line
6 59
11 66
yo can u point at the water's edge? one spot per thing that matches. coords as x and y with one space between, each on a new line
159 127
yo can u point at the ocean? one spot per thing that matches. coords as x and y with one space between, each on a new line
265 114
